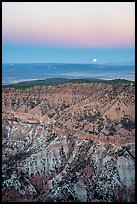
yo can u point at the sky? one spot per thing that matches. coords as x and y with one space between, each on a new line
68 32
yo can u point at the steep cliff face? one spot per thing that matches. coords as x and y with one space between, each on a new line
85 151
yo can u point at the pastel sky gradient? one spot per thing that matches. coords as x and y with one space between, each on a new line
38 27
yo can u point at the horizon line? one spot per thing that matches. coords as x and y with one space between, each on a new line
68 62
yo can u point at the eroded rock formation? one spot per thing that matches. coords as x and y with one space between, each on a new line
71 142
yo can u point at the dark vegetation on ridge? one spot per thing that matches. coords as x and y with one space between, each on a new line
56 81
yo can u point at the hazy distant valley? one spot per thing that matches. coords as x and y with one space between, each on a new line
69 142
13 73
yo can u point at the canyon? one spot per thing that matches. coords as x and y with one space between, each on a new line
72 142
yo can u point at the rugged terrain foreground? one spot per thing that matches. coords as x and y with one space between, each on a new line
70 142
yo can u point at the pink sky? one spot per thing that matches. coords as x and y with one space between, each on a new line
70 24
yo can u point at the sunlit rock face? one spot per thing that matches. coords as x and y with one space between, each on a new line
71 142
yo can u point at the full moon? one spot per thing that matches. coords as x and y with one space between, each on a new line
94 60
